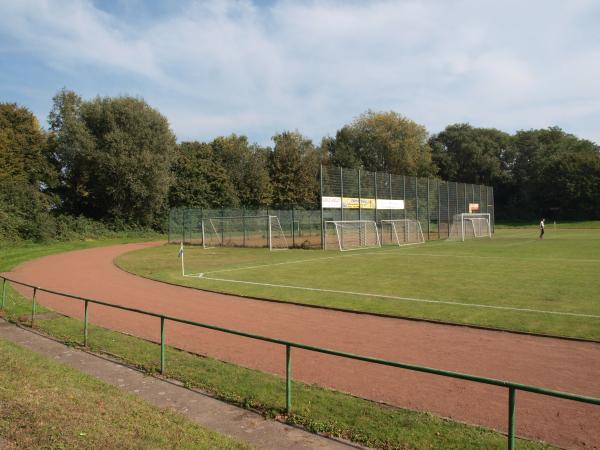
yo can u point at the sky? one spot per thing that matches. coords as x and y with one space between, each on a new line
258 68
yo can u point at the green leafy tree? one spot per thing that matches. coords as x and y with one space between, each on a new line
472 155
198 180
572 189
114 156
538 153
294 166
24 176
384 142
247 167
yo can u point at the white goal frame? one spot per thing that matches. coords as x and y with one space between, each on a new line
362 240
463 224
273 226
405 225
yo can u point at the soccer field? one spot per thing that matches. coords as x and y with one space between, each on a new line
514 281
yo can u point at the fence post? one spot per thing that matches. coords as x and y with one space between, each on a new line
359 198
428 215
183 225
322 216
439 214
511 418
392 196
404 190
162 345
293 228
33 306
288 379
85 324
342 193
3 292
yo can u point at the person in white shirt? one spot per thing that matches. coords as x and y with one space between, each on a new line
542 228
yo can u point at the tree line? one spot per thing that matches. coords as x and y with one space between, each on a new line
114 162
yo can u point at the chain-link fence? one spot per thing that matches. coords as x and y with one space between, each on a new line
354 194
241 227
346 194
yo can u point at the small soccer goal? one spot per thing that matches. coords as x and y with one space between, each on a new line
347 235
469 226
243 231
401 232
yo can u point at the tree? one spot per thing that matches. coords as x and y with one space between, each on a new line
246 166
24 175
472 155
199 181
383 142
573 186
114 156
294 167
539 154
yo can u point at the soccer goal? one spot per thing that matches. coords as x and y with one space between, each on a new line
401 232
473 225
351 235
243 231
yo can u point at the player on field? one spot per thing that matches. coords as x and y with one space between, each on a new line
542 228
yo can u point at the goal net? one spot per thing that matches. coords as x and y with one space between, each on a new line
347 235
467 226
243 231
401 232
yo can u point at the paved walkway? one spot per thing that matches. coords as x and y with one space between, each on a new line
200 408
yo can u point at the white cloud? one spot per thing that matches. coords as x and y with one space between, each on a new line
234 66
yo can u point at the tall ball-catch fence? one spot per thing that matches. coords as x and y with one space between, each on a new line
425 208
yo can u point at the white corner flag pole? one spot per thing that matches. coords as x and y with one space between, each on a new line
181 256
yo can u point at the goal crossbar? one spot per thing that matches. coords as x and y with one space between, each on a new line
470 225
264 230
352 234
402 231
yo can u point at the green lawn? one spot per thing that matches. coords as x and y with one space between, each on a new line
514 281
317 409
44 404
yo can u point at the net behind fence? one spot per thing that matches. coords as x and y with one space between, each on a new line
346 195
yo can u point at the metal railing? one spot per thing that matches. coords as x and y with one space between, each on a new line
512 387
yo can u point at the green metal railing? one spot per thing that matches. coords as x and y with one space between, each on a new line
512 387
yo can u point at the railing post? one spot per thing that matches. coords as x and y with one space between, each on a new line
288 379
162 345
85 324
3 292
33 306
511 418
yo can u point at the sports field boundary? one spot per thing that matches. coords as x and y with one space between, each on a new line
365 313
512 387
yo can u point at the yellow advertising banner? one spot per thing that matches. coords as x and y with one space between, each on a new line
355 203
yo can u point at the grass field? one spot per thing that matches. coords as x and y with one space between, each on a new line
44 404
40 392
514 281
315 408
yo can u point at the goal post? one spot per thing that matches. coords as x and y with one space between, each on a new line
470 225
401 232
346 235
243 231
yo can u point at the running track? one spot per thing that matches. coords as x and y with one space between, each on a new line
553 363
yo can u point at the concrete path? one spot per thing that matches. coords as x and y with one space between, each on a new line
200 408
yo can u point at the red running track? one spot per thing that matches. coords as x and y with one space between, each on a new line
552 363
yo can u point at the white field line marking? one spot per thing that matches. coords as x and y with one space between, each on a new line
298 261
433 255
393 297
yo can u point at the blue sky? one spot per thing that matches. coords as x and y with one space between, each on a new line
257 68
